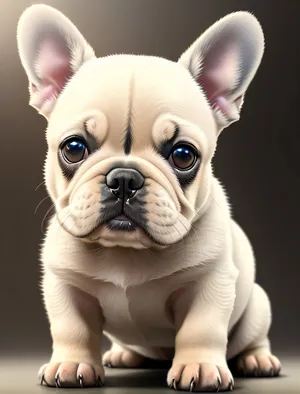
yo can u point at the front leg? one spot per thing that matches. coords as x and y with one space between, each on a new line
201 313
76 328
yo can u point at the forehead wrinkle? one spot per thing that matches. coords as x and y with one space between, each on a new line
95 134
175 133
79 126
90 133
128 137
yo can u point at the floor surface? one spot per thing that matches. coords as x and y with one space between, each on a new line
20 376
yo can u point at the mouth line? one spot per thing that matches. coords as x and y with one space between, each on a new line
136 224
127 223
121 217
121 222
118 225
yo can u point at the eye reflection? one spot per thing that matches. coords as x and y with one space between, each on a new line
74 150
183 156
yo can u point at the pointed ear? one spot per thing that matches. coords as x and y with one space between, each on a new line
224 61
51 50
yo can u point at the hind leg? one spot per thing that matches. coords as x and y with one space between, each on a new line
258 361
120 357
249 343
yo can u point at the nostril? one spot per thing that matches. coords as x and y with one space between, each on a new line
114 183
116 192
131 193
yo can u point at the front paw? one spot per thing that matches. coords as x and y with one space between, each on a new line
71 374
200 377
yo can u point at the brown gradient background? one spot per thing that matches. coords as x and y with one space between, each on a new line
257 158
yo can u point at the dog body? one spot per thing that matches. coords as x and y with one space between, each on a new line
137 301
142 246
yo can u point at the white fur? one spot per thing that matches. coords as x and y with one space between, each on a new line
182 301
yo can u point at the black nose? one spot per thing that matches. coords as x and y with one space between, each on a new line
124 182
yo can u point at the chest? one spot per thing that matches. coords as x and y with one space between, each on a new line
140 314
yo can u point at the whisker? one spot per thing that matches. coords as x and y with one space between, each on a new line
215 201
39 204
92 251
96 250
86 252
61 225
42 183
45 216
183 241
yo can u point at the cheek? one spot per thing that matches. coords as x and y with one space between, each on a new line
165 224
196 193
85 205
55 183
87 195
160 209
199 192
192 190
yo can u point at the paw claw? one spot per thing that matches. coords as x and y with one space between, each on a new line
230 387
219 384
43 380
192 385
170 385
80 379
99 381
174 384
57 381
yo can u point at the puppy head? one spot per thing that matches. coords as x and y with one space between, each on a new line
131 138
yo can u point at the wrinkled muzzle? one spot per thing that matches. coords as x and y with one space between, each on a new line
123 207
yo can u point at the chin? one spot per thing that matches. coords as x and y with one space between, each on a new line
115 235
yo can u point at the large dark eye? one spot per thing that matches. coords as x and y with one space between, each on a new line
74 150
183 156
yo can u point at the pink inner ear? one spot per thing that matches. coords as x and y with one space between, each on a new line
218 77
53 68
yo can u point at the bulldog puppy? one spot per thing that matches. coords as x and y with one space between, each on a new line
142 247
